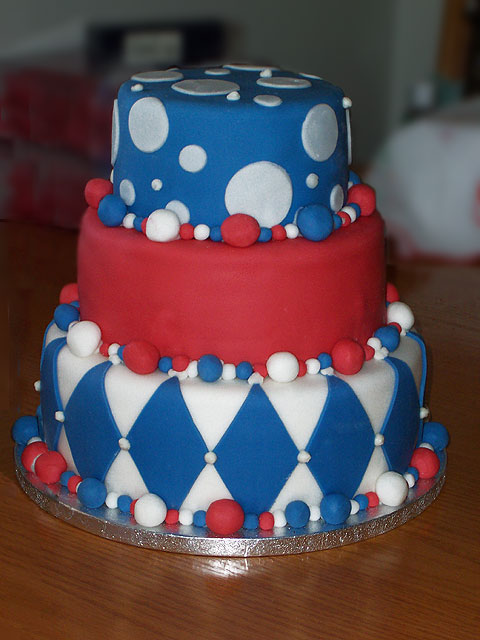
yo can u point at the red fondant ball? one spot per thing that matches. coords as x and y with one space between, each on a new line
278 232
97 189
347 356
31 453
104 349
73 483
302 369
364 196
369 352
373 500
187 231
141 357
50 466
224 517
171 517
180 363
396 325
346 220
132 507
240 230
69 293
392 294
266 521
426 462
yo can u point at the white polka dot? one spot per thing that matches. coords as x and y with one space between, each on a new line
346 103
278 82
336 198
349 136
182 211
320 132
148 124
248 67
311 76
234 95
268 100
127 192
217 72
192 158
157 184
115 132
312 180
266 73
262 190
136 87
158 76
206 87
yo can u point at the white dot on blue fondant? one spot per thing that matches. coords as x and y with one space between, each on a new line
205 87
220 71
127 192
192 158
312 181
158 76
268 100
349 136
262 190
157 184
115 132
278 82
248 67
181 209
148 124
336 198
320 132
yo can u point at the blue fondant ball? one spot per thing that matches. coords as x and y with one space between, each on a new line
75 303
112 210
335 508
123 503
137 223
325 360
315 222
25 428
251 521
297 514
337 221
244 370
362 501
265 234
389 337
216 234
65 477
64 314
210 368
200 518
91 493
165 364
353 178
414 472
435 434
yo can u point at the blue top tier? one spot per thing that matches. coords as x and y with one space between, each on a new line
208 143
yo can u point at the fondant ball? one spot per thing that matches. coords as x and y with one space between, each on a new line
210 368
140 357
96 189
364 196
69 293
64 314
31 453
162 225
389 337
50 466
83 338
251 521
123 503
91 493
24 428
315 222
150 510
240 230
347 356
392 293
297 514
244 370
401 313
435 434
112 210
426 461
282 367
335 508
224 517
65 477
266 521
391 488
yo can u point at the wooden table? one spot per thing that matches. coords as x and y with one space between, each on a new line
418 581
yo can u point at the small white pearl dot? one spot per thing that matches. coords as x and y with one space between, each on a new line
59 416
233 95
124 444
157 184
303 456
312 180
210 457
137 87
346 103
379 439
37 385
426 445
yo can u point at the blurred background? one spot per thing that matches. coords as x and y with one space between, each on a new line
411 68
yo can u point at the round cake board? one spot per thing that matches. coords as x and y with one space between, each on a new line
315 536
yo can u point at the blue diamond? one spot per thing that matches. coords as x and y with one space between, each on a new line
90 427
343 441
401 432
51 402
166 445
256 455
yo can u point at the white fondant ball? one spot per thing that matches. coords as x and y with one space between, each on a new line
291 231
150 510
201 232
192 369
314 512
163 225
185 516
111 500
282 366
83 338
279 519
313 365
401 313
229 371
354 507
391 488
410 478
128 221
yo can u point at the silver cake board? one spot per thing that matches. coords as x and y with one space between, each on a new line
315 536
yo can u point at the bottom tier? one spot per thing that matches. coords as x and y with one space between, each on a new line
263 445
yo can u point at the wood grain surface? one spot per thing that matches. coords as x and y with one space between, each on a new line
419 581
